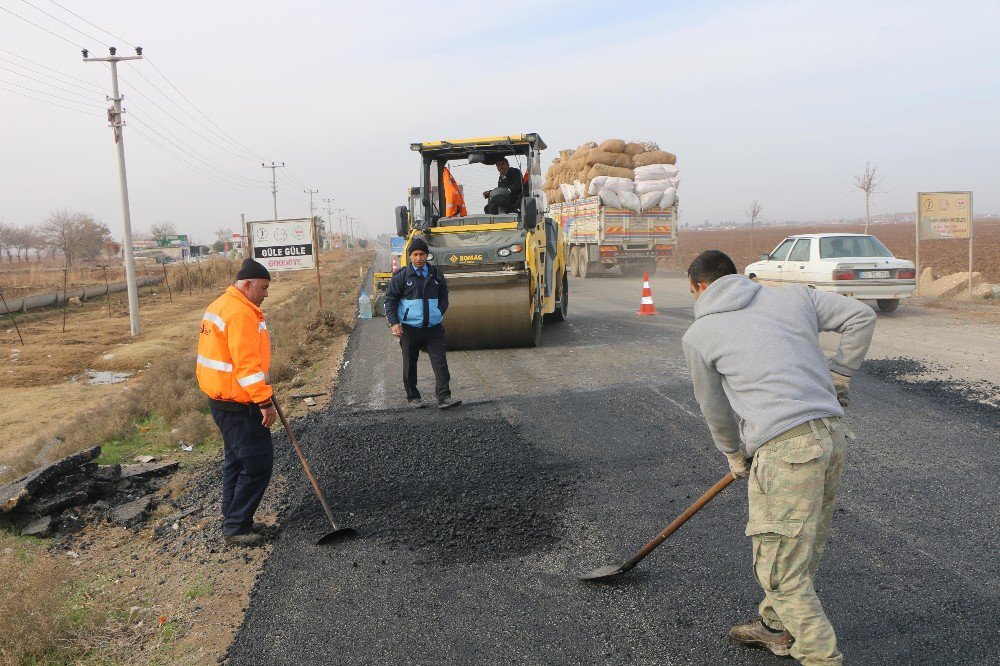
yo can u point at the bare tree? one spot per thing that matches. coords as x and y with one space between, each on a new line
25 239
223 233
869 182
753 212
8 238
162 229
76 235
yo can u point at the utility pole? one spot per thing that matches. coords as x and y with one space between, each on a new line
316 244
117 125
329 221
246 235
274 184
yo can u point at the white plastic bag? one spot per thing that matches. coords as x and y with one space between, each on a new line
644 186
568 192
597 185
581 189
669 198
610 198
656 172
650 200
675 183
619 184
631 201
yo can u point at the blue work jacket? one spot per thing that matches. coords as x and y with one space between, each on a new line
415 301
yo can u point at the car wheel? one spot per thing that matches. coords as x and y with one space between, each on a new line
887 304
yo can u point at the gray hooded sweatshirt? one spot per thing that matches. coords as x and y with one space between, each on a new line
755 360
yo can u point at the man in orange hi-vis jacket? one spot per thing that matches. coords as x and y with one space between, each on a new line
453 198
234 354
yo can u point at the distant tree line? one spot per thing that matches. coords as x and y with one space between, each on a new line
76 236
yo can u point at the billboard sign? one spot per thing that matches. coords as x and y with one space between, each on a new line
396 244
944 215
283 245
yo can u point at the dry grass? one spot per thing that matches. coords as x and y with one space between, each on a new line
32 589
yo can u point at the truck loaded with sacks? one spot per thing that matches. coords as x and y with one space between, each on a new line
617 205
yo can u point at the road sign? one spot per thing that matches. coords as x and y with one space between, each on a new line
944 215
283 245
396 244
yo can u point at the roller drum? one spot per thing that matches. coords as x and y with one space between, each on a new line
488 310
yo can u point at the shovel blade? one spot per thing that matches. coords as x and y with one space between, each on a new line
340 534
604 573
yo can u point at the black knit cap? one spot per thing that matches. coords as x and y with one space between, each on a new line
419 244
251 270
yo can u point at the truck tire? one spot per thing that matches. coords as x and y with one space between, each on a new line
562 302
587 268
574 256
887 304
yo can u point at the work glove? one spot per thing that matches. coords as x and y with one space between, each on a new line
842 383
738 465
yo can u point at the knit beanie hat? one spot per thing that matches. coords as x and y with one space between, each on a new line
252 270
419 244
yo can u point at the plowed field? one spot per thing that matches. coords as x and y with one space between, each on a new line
944 256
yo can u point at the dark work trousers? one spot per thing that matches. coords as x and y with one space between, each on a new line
432 339
246 468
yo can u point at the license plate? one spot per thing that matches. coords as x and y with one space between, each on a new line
875 274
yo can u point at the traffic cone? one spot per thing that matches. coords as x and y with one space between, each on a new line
394 265
646 308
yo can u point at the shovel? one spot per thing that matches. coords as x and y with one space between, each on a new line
338 533
605 574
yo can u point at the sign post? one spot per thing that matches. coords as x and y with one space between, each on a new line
944 215
286 245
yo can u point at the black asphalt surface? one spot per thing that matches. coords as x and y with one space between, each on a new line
474 522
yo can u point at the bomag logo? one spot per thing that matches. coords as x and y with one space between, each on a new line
465 258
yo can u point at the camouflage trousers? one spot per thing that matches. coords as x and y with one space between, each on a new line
792 486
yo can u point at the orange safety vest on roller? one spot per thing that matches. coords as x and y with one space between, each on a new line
453 198
234 351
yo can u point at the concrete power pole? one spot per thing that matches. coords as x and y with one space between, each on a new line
329 221
274 184
312 216
117 125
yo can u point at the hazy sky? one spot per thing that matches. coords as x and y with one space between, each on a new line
777 101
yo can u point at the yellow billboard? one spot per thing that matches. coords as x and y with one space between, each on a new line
944 215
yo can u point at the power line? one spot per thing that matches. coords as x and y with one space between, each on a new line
43 92
39 9
194 154
66 90
94 25
39 99
68 41
38 64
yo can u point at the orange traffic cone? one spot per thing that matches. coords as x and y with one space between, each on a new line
394 265
646 308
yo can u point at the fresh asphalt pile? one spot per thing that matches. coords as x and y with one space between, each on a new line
461 489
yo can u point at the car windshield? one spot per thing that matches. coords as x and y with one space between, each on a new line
835 247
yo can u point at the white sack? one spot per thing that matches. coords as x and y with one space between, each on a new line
644 186
619 184
597 185
675 183
656 172
669 198
610 198
650 200
631 201
581 189
568 192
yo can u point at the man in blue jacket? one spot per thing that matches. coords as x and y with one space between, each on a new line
415 303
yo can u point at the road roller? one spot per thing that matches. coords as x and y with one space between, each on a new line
506 268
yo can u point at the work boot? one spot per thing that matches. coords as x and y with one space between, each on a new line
244 540
415 403
448 403
756 635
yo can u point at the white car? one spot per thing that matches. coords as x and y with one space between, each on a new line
854 265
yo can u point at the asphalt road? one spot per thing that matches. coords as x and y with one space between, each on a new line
566 457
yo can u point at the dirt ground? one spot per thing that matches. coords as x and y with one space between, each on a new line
944 256
171 592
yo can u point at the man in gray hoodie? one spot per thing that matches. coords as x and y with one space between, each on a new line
761 378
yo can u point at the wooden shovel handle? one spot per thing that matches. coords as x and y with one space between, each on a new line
679 520
305 465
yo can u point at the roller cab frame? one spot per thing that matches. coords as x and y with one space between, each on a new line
506 273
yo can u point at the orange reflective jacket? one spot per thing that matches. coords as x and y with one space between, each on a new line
453 197
234 351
